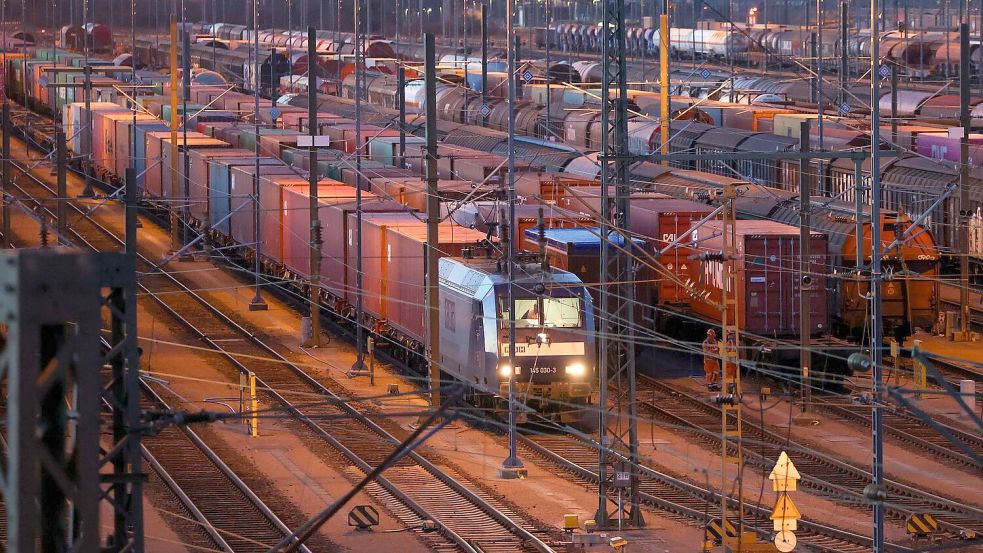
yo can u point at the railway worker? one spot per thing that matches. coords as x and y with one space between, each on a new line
711 360
940 324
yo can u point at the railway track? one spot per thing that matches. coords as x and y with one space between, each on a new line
469 519
827 477
207 503
683 500
222 506
910 430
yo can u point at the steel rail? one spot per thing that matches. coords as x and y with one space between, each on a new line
467 495
814 533
227 471
904 499
910 430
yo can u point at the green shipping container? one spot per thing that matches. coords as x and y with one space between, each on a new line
385 149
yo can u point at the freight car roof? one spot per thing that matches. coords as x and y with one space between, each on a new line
583 240
470 274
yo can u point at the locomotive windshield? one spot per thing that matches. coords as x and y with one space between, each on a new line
544 312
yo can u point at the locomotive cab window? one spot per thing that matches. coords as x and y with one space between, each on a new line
548 312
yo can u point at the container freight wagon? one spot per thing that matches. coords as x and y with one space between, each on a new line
485 216
768 281
337 217
909 300
659 220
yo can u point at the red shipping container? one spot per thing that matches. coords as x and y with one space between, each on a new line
297 223
229 134
285 219
412 192
335 131
297 121
548 186
339 236
273 145
659 220
368 132
212 128
372 170
272 216
768 283
230 101
266 113
394 265
241 201
374 227
104 148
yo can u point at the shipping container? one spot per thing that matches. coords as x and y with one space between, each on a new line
339 237
548 186
394 263
273 216
578 251
200 174
278 144
266 113
768 281
297 121
752 118
296 219
908 134
344 171
74 119
412 191
241 198
660 220
168 186
220 192
376 257
485 216
108 144
385 149
247 135
130 136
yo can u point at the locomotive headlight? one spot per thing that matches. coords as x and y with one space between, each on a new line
505 370
577 369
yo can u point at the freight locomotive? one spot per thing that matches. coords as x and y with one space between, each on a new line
554 351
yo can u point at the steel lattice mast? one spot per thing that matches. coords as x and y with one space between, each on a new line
616 362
